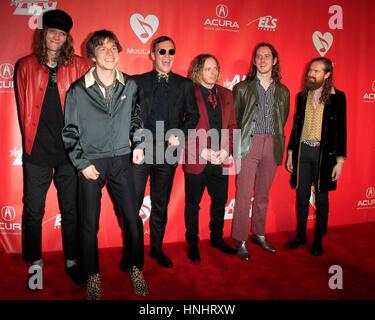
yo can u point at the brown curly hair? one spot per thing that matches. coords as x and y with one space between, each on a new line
197 65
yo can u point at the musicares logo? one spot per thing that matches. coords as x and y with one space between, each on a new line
322 42
144 28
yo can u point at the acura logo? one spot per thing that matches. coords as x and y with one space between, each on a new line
6 70
370 192
373 86
8 213
222 11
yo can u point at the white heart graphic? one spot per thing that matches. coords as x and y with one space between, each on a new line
144 28
322 42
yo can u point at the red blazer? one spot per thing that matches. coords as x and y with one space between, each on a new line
194 163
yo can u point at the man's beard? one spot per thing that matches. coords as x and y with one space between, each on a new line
311 84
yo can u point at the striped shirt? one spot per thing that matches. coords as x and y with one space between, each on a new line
265 116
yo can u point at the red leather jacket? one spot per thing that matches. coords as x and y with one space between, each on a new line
32 79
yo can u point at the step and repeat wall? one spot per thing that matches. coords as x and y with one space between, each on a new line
300 30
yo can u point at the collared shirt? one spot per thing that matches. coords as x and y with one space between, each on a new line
312 126
265 115
90 79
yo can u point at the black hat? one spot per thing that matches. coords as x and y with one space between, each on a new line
57 19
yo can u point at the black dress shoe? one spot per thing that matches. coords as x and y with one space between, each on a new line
223 246
263 243
193 254
317 248
76 275
161 258
295 243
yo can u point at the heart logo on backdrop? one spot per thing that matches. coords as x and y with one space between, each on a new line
322 42
144 28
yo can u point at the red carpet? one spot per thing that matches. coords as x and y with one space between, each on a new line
285 275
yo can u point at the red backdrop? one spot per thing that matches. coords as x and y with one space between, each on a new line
229 29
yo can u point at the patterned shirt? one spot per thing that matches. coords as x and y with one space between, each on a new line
265 116
312 127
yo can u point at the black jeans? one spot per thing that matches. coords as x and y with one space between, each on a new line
37 181
217 186
308 174
119 174
161 181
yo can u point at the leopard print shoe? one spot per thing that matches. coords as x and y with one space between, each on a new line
139 283
93 289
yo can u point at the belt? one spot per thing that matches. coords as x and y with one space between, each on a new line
311 143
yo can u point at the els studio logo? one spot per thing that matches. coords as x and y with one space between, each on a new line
266 23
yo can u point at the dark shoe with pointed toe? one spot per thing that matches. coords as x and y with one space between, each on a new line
76 275
223 246
161 258
242 251
295 243
262 242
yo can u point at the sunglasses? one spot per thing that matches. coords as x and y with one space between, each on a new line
171 52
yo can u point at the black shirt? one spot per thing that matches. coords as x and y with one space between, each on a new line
159 109
48 149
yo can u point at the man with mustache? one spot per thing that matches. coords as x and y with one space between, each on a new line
317 148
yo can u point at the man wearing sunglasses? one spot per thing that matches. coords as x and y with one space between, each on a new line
167 101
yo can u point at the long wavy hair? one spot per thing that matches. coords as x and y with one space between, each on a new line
328 83
67 50
197 65
276 76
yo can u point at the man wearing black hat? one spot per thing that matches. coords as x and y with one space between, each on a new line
42 80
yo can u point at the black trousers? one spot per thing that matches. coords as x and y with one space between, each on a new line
37 181
308 174
217 186
161 181
119 174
